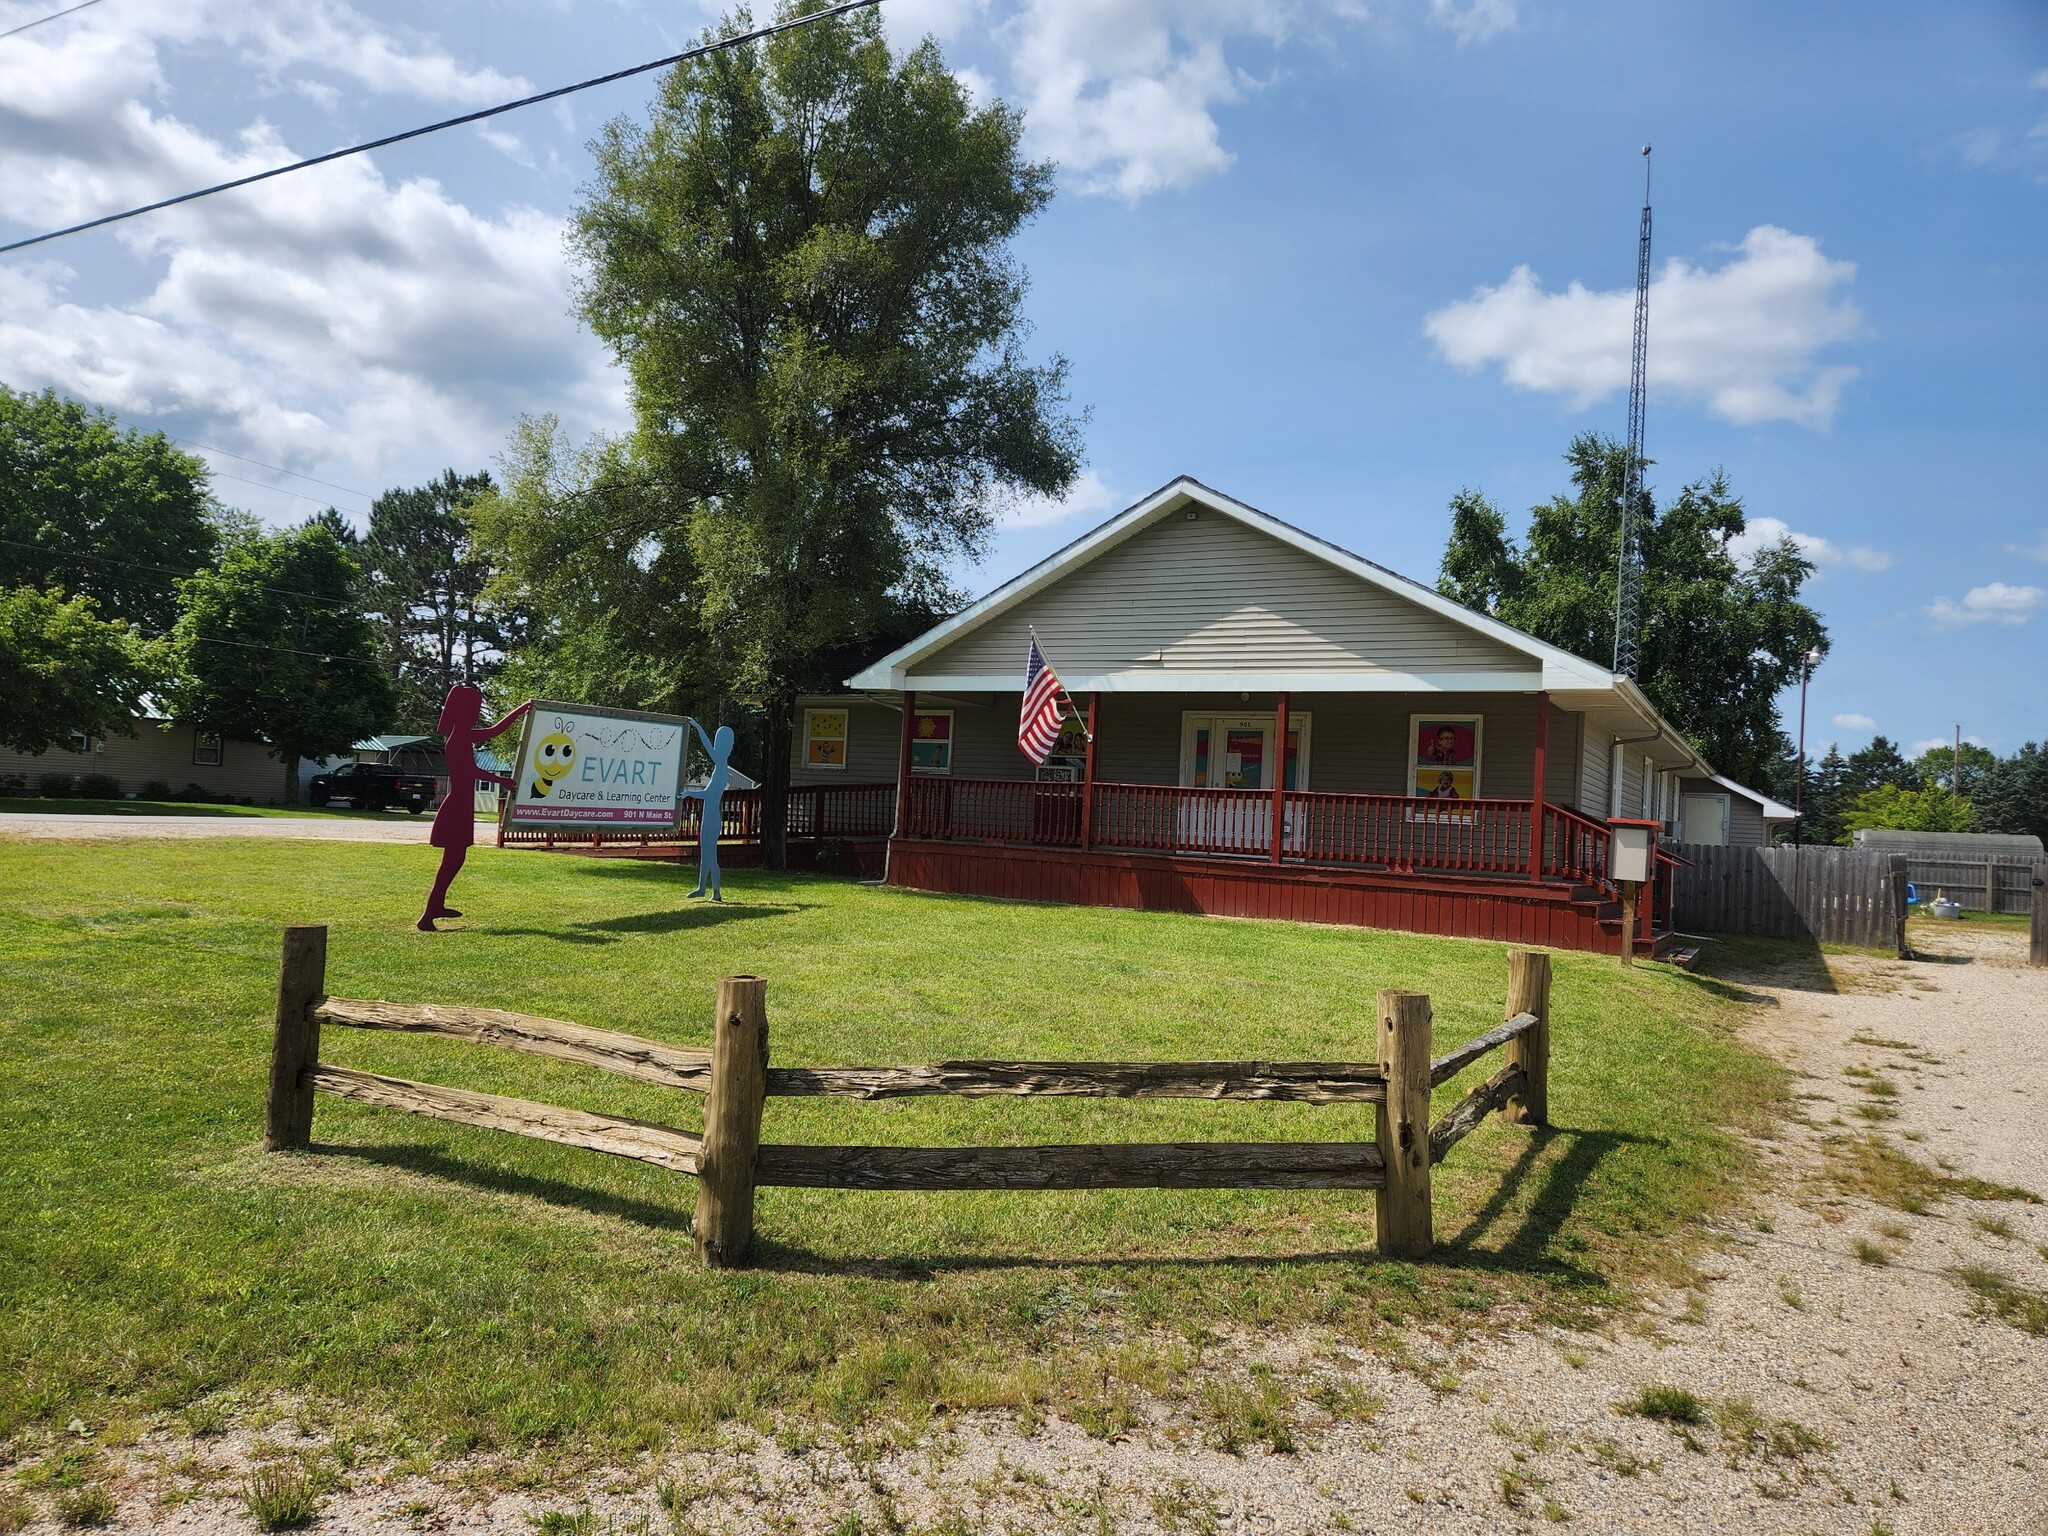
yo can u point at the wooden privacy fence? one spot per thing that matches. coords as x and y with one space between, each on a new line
1975 885
1822 895
730 1161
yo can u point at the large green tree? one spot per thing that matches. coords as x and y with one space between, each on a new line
1722 637
92 509
424 581
63 669
803 260
599 606
273 646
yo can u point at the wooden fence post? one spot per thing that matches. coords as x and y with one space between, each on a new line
2037 937
301 982
1529 992
724 1229
1402 1203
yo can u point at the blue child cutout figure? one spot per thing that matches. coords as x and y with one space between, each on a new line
713 796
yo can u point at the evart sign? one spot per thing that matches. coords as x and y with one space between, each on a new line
597 767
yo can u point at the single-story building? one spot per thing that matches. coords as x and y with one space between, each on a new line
164 752
1279 728
1715 810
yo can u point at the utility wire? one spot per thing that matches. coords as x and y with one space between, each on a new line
278 469
701 51
59 556
318 501
53 16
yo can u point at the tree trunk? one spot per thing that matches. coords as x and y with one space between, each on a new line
291 777
777 732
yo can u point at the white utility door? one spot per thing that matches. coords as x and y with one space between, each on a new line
1704 819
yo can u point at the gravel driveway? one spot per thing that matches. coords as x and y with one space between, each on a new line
371 828
1848 1381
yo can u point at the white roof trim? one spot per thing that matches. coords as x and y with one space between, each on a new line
1158 680
1773 810
1560 669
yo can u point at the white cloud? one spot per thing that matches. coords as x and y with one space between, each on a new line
331 319
1743 339
1855 723
1089 495
1124 94
1476 20
1940 743
1997 603
2038 550
1825 554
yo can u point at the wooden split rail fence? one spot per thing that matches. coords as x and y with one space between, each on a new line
730 1161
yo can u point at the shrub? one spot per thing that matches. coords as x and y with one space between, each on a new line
99 786
13 784
155 789
191 794
54 786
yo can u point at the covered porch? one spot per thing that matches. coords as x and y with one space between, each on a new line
1261 843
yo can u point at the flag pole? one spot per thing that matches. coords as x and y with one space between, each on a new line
1078 718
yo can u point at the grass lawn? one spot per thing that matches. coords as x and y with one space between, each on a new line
33 806
444 1289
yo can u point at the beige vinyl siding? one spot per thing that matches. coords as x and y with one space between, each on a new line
874 741
1631 802
1214 596
1357 743
162 750
1596 755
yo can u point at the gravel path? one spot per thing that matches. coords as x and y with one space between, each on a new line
1841 1394
371 829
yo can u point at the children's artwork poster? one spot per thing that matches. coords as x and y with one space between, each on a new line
825 738
1444 763
931 741
579 764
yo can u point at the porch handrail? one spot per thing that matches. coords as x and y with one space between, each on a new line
1576 847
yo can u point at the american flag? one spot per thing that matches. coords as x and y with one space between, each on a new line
1038 727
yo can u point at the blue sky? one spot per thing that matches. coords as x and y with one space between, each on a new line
1337 259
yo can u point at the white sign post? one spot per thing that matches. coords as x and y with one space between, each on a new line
582 766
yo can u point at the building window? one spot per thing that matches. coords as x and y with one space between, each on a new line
1444 756
206 749
825 738
931 741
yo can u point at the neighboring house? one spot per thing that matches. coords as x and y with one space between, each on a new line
1280 729
165 752
1717 811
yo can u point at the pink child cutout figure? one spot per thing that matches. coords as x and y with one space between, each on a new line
455 821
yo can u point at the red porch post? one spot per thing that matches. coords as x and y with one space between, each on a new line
903 767
1088 778
1536 799
1279 776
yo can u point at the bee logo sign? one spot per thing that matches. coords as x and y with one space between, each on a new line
597 767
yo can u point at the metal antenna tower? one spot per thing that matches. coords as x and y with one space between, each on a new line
1628 575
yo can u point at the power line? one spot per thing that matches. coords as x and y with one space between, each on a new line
278 469
702 50
53 16
318 501
61 555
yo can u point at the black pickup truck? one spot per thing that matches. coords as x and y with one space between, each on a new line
374 787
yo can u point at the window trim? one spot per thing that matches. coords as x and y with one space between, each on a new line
845 738
220 749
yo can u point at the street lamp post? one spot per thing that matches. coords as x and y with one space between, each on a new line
1806 665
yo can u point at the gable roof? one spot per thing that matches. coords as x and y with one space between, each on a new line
1773 810
1555 668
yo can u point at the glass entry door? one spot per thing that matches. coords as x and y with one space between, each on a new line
1235 752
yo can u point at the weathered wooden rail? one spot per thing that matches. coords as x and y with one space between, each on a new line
731 1162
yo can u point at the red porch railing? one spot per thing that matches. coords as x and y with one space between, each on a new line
815 811
1487 837
1392 832
1575 848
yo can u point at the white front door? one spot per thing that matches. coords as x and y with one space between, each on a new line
1235 752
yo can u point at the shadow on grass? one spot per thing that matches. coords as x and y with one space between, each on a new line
434 1163
606 930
